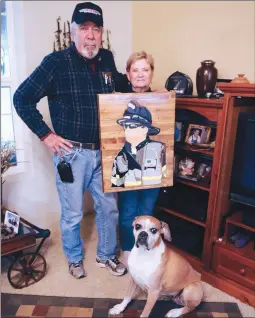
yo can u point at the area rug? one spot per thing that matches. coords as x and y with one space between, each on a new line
15 305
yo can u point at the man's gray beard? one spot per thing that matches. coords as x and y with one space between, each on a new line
91 54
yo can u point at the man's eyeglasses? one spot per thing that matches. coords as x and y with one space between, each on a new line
132 126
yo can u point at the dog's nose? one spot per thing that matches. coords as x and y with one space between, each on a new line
142 237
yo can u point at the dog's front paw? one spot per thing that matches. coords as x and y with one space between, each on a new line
116 310
175 312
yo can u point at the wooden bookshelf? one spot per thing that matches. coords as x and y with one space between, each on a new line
233 268
192 184
247 250
182 216
237 220
187 147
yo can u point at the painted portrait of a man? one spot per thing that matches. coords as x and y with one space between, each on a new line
141 161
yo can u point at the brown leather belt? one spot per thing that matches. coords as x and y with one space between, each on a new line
82 145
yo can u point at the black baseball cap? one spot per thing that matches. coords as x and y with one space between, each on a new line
88 11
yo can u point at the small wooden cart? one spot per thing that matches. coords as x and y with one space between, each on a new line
27 268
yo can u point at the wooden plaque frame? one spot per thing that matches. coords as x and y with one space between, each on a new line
112 136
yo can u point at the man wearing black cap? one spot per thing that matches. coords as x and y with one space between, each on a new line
71 80
87 23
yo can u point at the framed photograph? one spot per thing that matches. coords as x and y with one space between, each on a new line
204 173
186 169
198 134
137 140
12 220
178 133
192 169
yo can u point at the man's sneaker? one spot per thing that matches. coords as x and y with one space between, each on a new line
77 270
114 266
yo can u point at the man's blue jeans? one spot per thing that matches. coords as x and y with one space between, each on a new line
132 204
86 167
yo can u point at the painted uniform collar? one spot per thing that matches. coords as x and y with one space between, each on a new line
127 145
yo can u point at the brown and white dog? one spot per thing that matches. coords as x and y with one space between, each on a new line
159 270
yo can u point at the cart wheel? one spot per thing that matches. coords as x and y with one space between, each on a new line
27 270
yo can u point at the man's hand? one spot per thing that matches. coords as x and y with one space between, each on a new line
55 142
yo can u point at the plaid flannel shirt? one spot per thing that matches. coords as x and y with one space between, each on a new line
71 86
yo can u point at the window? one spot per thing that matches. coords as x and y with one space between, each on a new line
7 81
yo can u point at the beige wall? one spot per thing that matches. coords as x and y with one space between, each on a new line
223 31
181 34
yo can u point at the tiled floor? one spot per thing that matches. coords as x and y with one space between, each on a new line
16 305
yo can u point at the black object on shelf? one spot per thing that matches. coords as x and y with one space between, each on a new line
249 217
240 237
186 200
242 187
186 236
181 83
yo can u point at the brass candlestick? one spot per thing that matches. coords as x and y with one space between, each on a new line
64 37
62 42
57 35
69 33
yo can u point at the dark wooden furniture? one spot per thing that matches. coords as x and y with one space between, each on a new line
220 263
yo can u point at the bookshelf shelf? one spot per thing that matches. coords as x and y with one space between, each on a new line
192 184
182 216
190 148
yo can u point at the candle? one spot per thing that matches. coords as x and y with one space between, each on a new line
69 32
58 23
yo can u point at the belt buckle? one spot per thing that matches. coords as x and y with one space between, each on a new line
93 146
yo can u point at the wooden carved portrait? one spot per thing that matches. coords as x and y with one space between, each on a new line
137 139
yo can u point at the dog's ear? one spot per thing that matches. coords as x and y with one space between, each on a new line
166 231
133 224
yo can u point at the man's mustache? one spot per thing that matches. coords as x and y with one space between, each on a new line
90 43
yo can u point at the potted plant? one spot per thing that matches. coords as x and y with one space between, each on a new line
8 159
